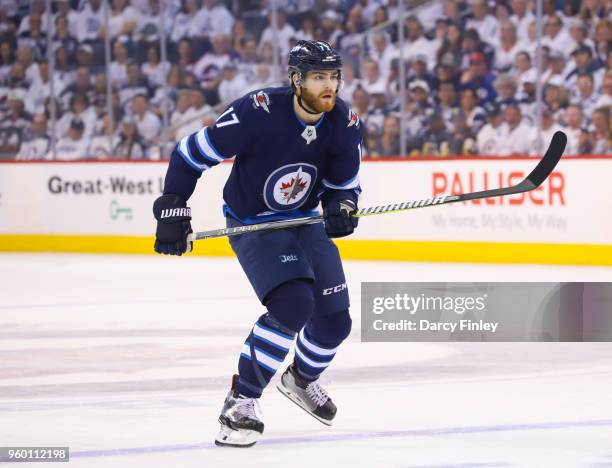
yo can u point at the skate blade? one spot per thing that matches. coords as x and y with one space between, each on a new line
289 394
240 438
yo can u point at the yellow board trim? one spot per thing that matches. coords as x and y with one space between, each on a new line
412 251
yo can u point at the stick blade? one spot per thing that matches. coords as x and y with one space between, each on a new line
550 159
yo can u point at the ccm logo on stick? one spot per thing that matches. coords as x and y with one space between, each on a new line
335 289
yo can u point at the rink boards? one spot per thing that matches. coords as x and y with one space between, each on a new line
106 207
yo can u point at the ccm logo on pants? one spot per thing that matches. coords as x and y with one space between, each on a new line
335 289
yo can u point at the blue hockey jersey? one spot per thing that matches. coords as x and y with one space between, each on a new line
283 165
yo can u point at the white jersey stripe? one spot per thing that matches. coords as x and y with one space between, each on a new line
349 184
205 146
184 150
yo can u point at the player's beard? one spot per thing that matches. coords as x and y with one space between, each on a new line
317 103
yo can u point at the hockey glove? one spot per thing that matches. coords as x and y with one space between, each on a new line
337 210
173 225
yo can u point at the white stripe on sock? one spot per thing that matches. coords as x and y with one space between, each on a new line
314 348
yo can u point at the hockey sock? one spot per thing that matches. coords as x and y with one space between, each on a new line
289 307
318 341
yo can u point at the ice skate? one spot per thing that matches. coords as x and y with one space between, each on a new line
240 420
309 396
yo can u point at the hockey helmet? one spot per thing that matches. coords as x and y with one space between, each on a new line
313 55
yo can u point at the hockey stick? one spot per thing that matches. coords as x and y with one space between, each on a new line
539 174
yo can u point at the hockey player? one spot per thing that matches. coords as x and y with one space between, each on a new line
295 147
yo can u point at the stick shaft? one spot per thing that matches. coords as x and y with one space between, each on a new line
532 181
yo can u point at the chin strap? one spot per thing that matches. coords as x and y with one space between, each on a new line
299 100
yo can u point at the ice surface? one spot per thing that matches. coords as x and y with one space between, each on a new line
127 359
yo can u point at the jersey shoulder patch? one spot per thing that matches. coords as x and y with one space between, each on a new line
353 119
261 100
345 114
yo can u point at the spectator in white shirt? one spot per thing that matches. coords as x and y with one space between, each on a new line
40 90
556 36
516 133
248 58
490 137
599 141
233 85
330 27
74 145
373 81
64 9
579 32
101 145
446 106
558 68
37 7
538 144
148 27
586 95
185 60
575 131
486 24
197 111
149 125
63 36
585 63
521 17
556 98
209 67
307 32
35 38
26 60
522 65
136 84
81 109
153 69
474 114
505 87
382 52
179 121
214 19
284 35
118 67
350 83
90 20
263 77
417 44
123 18
605 98
186 22
64 66
509 46
37 146
130 144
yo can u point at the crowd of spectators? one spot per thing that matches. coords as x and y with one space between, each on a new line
470 69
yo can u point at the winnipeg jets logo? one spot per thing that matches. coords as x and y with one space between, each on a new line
290 190
261 100
353 119
288 187
309 134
